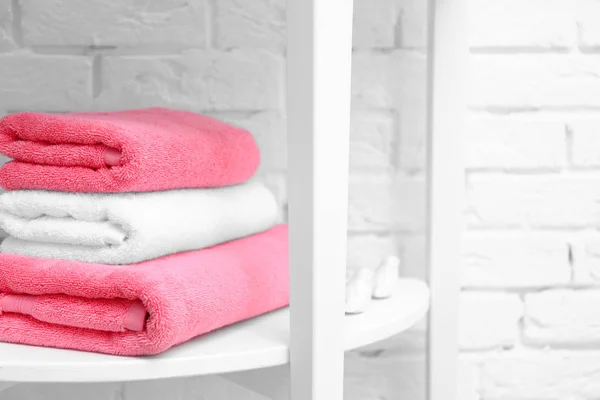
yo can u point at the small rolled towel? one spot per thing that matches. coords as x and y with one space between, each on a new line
125 151
126 228
144 308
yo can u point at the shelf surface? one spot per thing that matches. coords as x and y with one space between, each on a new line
256 343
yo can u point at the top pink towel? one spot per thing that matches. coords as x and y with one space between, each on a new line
127 151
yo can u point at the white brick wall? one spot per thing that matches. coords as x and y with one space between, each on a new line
552 375
536 80
512 24
589 30
513 141
585 142
562 317
179 23
497 259
46 82
488 320
258 24
515 200
532 251
6 16
529 328
197 79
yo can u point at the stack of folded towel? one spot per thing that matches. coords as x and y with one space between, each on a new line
133 231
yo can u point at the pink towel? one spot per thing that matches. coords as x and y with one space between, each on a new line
145 308
126 151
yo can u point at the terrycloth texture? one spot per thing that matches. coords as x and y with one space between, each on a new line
126 228
185 295
126 151
114 315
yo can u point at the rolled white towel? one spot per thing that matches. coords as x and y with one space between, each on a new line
385 278
358 291
126 228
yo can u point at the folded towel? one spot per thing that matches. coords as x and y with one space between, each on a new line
143 308
126 228
114 315
125 151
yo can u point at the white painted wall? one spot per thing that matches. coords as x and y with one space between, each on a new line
529 330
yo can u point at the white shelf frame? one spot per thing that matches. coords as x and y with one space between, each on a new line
319 59
318 112
318 93
447 108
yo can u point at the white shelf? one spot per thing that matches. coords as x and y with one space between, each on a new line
257 343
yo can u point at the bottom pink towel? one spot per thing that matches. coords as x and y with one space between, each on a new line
145 308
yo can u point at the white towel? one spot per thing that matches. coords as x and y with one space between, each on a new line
126 228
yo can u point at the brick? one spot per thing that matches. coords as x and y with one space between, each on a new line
63 391
46 83
412 121
409 74
259 24
370 203
514 259
385 24
375 23
534 375
587 21
509 142
177 23
7 42
372 141
205 80
393 79
586 257
379 203
409 207
562 317
413 251
396 80
469 375
545 24
370 89
412 29
534 80
489 320
586 142
269 131
375 378
557 201
367 251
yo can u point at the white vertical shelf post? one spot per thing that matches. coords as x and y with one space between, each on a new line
319 59
448 87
